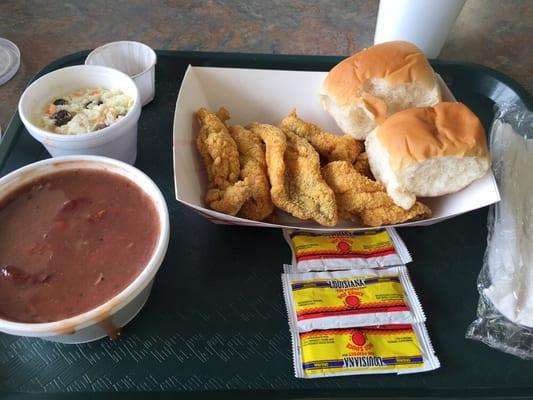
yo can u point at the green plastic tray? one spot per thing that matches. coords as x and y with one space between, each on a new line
215 324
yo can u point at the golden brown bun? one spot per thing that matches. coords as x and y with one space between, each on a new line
364 89
446 129
429 151
397 62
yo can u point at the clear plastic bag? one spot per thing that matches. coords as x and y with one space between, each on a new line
505 283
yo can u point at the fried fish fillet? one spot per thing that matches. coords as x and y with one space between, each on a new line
329 145
362 166
367 199
376 209
294 171
254 170
230 200
219 151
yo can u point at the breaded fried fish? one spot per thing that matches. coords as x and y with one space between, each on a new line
294 171
329 145
219 151
362 166
366 199
254 171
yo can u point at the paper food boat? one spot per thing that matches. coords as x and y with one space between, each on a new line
254 95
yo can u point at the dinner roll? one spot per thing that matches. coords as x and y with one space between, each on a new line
428 151
364 89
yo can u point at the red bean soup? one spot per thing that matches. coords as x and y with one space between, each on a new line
70 241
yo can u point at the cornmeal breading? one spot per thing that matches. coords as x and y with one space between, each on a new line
331 146
367 199
221 158
254 170
294 171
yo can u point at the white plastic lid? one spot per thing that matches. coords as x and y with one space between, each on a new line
9 60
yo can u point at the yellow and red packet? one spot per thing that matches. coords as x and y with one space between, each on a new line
338 299
397 348
312 251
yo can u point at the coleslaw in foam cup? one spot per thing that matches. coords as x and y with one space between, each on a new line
118 140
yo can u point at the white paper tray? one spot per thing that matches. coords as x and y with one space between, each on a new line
255 95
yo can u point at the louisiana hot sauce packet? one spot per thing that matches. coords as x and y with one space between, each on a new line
400 349
338 299
327 251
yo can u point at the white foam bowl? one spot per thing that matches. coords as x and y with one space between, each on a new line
133 58
118 140
119 310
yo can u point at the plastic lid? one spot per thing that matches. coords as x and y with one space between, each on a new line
9 60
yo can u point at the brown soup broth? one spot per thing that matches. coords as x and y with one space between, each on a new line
70 241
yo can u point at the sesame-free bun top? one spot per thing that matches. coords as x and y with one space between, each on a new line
396 62
428 151
446 129
364 89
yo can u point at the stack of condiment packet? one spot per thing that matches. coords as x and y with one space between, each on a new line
355 310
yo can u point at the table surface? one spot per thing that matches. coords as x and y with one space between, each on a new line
489 32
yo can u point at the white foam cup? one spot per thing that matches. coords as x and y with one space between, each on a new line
425 23
135 59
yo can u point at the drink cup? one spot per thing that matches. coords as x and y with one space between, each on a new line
425 23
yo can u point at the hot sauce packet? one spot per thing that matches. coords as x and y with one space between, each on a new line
397 349
313 251
339 299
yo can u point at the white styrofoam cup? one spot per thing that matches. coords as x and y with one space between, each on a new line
135 59
118 140
425 23
119 310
